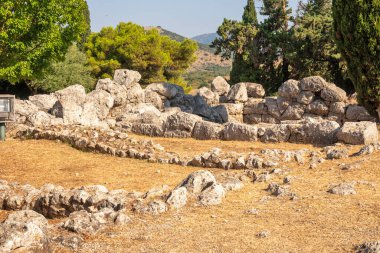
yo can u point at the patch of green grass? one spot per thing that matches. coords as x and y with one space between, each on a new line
203 78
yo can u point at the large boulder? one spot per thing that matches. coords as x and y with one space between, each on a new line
238 93
272 107
167 90
44 102
205 130
318 107
184 101
180 125
118 92
212 195
289 89
24 231
177 198
358 113
230 112
273 132
239 132
313 83
358 133
293 112
220 86
126 77
255 106
255 90
305 97
197 181
69 110
338 108
75 94
154 99
40 118
83 222
23 109
324 132
210 97
333 93
101 101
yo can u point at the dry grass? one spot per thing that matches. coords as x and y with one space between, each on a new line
316 222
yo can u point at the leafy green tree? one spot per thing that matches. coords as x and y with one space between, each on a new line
33 33
156 57
314 49
357 33
73 70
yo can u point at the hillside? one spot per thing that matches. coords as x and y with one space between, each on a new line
206 39
207 66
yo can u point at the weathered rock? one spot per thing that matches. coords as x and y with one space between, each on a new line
283 103
126 77
255 106
324 132
210 97
177 198
274 133
40 118
305 97
313 83
180 124
82 222
153 98
212 195
357 133
343 189
24 231
43 102
368 247
96 107
255 90
294 112
336 154
204 130
24 108
230 112
184 101
75 94
239 132
154 207
252 119
220 86
358 113
338 108
167 90
277 190
333 93
238 93
197 181
289 89
318 107
68 110
272 107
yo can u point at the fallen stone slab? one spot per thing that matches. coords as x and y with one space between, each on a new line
357 133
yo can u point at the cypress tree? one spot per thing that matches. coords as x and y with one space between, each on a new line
250 15
357 33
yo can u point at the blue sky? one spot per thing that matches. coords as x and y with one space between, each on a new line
185 17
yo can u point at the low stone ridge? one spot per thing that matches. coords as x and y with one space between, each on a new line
163 109
89 209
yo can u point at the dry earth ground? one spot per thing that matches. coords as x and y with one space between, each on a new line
316 222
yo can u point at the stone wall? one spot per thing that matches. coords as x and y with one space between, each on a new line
306 111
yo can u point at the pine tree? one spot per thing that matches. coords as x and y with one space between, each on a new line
357 33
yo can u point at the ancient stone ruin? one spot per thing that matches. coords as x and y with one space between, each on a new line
307 111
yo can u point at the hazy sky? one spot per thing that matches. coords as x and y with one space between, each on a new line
185 17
